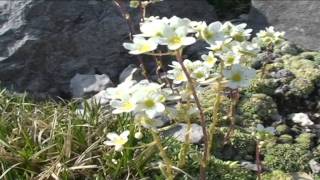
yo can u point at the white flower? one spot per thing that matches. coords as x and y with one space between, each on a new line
230 58
270 130
138 135
151 104
154 28
117 140
125 105
142 119
121 91
227 27
209 60
176 73
221 46
269 36
145 87
239 33
177 38
238 76
197 69
247 49
212 33
176 22
140 45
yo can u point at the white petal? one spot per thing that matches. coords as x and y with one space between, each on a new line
129 46
112 136
125 134
108 143
188 41
118 148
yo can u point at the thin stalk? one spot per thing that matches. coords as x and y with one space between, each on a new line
258 162
160 67
142 11
164 156
186 145
127 17
203 162
216 108
232 114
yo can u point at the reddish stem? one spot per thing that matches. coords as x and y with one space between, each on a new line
232 113
203 163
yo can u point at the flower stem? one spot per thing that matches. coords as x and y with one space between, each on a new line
186 145
163 155
216 108
127 17
232 114
258 162
203 162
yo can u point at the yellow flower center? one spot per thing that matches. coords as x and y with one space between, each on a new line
128 106
199 75
120 141
149 103
207 34
211 60
239 37
230 60
144 48
175 40
236 77
180 77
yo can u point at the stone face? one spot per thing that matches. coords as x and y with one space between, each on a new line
315 166
43 44
299 19
179 132
132 72
86 84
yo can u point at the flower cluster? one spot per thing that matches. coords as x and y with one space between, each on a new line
143 98
198 70
269 37
173 33
230 51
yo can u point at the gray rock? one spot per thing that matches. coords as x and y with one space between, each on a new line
299 19
86 84
249 165
99 98
44 43
132 72
179 132
314 166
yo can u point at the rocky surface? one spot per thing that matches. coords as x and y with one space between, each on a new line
299 19
82 85
43 44
131 72
179 132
